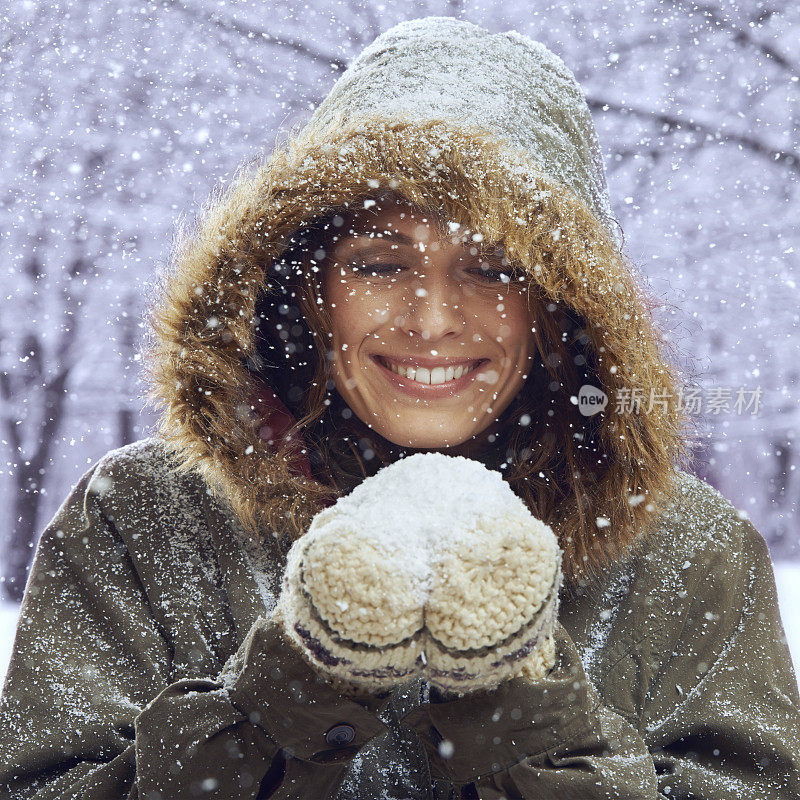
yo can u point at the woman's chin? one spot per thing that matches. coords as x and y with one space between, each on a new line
432 441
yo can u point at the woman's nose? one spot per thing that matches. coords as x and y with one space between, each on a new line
435 309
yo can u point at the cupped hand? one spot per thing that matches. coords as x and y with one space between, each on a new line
466 612
356 614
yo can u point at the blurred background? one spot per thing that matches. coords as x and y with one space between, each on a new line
119 118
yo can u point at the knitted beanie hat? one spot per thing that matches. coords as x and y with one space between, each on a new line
431 68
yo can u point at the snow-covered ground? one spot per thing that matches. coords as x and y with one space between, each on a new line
8 624
787 576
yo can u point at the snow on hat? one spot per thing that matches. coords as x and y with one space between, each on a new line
506 83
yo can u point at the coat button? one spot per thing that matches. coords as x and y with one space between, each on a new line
340 735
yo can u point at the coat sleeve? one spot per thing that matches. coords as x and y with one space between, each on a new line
733 732
88 709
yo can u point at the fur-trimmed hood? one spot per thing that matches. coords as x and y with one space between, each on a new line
492 129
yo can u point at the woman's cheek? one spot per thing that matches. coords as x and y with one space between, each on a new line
353 314
380 313
503 332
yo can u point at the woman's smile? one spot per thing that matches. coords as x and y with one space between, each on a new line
417 379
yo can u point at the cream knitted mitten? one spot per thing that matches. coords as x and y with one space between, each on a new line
432 566
493 605
355 614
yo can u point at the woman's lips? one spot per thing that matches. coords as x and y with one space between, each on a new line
425 391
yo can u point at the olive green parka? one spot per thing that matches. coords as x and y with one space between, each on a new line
146 666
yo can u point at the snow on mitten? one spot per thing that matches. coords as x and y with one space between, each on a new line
493 603
354 613
432 565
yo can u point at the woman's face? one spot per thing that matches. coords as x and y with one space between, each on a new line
411 293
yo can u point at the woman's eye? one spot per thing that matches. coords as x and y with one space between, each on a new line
493 275
376 270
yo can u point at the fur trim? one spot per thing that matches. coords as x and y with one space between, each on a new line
201 344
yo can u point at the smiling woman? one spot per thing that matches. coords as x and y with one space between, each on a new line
395 297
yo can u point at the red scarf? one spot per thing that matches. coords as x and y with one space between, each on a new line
275 419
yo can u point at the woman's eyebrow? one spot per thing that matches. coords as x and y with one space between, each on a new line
365 247
389 238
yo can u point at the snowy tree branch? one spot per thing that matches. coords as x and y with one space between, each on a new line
232 26
744 37
671 123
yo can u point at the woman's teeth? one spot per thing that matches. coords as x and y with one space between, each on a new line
433 376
